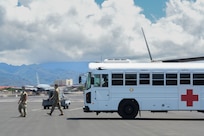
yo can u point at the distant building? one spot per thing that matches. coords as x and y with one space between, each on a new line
64 82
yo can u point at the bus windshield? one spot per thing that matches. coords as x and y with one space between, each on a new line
88 81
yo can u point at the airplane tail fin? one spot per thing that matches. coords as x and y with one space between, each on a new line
37 78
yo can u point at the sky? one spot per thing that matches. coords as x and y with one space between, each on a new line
39 31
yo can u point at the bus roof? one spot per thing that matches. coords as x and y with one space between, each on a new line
153 65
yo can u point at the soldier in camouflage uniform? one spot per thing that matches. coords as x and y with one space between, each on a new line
56 101
22 103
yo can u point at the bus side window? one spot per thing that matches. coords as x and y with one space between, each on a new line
144 79
198 79
157 79
105 80
97 80
185 78
130 79
117 79
171 79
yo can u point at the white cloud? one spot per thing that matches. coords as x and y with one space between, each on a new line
183 26
38 31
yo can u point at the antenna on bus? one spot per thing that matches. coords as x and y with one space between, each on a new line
150 56
171 60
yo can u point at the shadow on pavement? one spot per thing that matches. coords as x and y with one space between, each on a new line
150 119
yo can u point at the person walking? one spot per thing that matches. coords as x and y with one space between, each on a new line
22 103
56 101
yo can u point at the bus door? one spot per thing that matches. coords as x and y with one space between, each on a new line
189 98
102 94
101 91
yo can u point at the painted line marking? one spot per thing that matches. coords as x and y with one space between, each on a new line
75 109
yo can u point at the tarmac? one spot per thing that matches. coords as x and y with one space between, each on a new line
77 123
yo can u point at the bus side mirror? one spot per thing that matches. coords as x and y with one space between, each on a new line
79 79
92 80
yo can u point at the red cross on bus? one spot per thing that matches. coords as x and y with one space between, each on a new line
189 97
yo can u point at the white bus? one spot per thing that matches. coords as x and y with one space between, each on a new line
128 88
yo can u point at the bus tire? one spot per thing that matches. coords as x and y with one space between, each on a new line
128 109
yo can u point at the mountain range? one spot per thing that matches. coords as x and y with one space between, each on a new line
47 73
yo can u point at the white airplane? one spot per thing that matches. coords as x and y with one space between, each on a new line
43 87
30 87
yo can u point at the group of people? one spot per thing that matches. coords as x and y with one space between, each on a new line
22 103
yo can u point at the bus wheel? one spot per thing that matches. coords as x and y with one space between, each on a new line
128 109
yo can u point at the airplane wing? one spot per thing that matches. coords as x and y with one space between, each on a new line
185 59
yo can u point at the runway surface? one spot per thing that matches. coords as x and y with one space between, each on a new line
77 123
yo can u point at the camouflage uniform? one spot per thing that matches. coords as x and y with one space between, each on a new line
56 101
22 104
